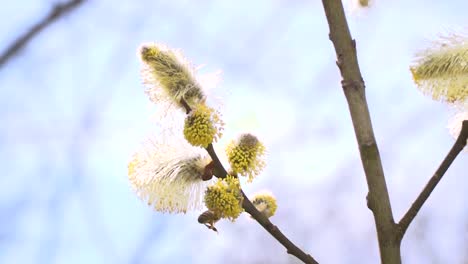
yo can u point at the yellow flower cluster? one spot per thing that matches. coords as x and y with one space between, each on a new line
167 70
202 126
442 71
246 156
265 202
225 198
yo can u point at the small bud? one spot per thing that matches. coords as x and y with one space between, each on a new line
357 7
442 70
225 198
265 202
245 156
202 126
208 172
364 3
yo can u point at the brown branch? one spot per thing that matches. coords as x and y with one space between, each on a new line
354 90
276 233
220 172
291 248
457 147
57 12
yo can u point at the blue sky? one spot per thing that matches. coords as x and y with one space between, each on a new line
74 110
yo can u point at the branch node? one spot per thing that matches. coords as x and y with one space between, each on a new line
339 61
274 228
370 202
187 107
352 84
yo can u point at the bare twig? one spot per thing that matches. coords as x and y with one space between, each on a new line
354 89
57 12
457 147
220 172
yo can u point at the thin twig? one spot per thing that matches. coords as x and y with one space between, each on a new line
57 12
220 172
354 89
457 147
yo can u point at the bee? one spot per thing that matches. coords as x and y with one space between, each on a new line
209 218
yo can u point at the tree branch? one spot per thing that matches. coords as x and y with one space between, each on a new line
220 172
57 12
354 89
457 147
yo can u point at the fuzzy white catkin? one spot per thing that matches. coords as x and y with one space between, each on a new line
168 176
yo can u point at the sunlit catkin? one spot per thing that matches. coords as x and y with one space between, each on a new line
169 76
441 71
202 126
265 202
246 156
225 198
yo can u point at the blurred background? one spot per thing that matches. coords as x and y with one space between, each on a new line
73 110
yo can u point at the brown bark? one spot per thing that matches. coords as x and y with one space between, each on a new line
354 90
